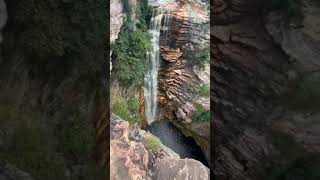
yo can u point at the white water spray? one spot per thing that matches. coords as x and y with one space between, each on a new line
151 76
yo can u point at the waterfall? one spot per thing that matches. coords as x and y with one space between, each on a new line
151 76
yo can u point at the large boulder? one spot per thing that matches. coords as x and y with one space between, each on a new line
131 160
180 169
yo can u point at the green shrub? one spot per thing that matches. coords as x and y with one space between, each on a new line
133 104
127 110
144 14
130 51
199 57
152 143
119 107
204 90
200 115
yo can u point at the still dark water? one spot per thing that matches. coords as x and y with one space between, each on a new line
172 137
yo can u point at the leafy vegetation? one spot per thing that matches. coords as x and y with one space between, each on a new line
131 47
152 143
199 58
133 104
126 109
304 95
200 115
204 90
130 50
119 107
144 14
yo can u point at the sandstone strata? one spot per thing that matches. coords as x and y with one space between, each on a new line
131 160
179 78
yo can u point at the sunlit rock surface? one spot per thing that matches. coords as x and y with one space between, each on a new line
180 169
131 160
188 30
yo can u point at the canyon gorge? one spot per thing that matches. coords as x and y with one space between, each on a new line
250 113
171 93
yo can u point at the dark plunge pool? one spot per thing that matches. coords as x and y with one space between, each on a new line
172 137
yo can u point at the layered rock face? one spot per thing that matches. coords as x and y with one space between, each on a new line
187 30
253 60
131 160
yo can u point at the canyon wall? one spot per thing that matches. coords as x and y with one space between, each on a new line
256 56
186 34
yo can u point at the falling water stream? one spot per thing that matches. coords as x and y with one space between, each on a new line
165 131
151 76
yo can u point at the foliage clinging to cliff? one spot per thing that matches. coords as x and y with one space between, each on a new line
144 14
200 115
199 57
204 90
126 109
130 50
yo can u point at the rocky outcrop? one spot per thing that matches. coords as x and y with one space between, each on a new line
186 34
188 24
131 160
170 55
116 19
180 169
253 60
